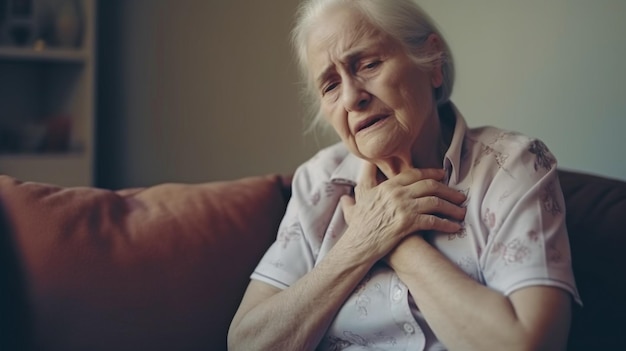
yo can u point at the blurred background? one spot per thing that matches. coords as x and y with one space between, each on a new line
203 90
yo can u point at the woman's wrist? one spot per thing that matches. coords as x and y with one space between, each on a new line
349 248
403 257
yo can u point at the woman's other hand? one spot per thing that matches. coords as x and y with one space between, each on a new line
382 213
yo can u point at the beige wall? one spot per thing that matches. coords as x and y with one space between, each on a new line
197 90
553 69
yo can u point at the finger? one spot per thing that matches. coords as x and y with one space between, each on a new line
431 187
441 207
369 173
432 222
416 174
347 205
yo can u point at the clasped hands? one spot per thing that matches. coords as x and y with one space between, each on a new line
388 216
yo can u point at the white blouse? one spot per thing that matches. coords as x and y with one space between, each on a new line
513 236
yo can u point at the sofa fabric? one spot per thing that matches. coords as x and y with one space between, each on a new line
164 267
160 268
596 214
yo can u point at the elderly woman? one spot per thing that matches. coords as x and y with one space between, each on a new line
414 232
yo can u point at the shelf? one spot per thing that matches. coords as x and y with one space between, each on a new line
38 83
26 156
8 53
68 169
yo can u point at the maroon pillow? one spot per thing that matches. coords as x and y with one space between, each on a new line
159 268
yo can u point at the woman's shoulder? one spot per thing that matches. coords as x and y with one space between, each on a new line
320 168
509 151
489 136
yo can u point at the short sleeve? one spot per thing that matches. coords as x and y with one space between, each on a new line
290 257
524 212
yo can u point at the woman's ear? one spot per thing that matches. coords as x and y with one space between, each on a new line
434 47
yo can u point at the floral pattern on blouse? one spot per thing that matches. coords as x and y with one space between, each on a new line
288 234
544 159
513 234
550 200
512 252
350 339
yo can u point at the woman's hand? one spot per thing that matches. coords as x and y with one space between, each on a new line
382 213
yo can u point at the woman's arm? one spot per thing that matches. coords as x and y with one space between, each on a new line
466 315
297 318
382 215
527 209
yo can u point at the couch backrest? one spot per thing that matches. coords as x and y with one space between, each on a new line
164 268
596 217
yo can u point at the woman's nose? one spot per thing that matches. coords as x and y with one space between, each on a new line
355 97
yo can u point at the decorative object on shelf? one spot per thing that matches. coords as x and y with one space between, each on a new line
47 135
20 34
47 92
21 21
57 135
21 137
67 24
31 137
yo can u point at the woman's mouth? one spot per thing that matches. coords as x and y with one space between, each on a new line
370 122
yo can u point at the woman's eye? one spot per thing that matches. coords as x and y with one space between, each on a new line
330 87
371 65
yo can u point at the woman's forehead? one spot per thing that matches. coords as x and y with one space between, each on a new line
339 35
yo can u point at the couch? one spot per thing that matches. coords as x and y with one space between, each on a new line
164 267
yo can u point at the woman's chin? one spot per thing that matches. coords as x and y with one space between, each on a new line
382 152
382 143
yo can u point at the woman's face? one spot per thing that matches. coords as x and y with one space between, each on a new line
378 101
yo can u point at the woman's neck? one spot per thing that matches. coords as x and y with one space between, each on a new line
429 149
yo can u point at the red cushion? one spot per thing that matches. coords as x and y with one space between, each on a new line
160 268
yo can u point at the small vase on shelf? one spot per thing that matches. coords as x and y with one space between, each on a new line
18 21
68 24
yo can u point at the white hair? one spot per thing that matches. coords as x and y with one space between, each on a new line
402 20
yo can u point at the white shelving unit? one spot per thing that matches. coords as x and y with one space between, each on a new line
44 84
